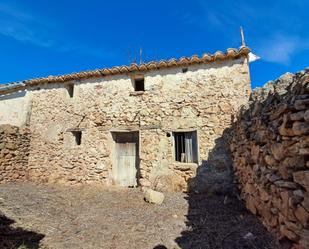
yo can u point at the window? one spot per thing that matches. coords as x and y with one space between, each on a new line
185 147
185 69
72 138
77 137
70 89
139 84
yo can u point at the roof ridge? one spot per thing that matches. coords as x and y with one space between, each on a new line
231 53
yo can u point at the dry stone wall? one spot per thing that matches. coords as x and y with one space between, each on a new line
270 149
14 152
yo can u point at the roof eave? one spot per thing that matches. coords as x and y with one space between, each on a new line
230 53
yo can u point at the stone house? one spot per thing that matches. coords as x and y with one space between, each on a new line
149 124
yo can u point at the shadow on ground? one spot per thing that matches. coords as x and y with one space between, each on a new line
17 238
213 224
216 217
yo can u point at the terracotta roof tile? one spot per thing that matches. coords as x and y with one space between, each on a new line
231 53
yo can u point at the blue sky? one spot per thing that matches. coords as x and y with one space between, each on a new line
40 38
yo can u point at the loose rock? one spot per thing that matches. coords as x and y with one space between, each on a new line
153 196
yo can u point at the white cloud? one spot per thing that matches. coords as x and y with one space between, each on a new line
280 48
266 32
23 34
22 26
26 27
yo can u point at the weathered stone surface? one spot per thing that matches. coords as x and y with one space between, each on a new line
306 116
304 151
8 129
288 233
268 140
297 116
304 241
152 196
284 184
170 182
255 151
299 193
251 204
100 167
302 178
302 215
68 165
305 203
302 104
14 152
300 128
145 183
278 151
295 200
200 100
270 160
279 168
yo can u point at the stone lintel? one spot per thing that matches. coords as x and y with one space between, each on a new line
75 129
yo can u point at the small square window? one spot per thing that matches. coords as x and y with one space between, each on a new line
77 137
139 84
70 89
185 147
72 138
185 69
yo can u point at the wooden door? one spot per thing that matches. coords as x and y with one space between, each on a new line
126 159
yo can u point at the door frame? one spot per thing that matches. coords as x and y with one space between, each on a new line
114 155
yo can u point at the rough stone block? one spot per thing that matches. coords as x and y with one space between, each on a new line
302 215
286 184
289 233
300 128
154 197
306 116
277 150
297 116
302 178
304 241
302 104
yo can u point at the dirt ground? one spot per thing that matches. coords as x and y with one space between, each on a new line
40 216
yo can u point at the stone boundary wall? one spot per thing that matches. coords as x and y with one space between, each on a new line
270 150
14 152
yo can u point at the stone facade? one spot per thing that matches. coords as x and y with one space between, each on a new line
14 152
270 149
200 98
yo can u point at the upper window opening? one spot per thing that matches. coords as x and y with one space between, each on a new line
185 69
185 147
70 89
78 137
139 84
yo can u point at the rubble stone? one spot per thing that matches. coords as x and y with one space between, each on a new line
154 197
280 166
14 153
